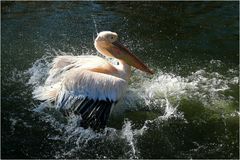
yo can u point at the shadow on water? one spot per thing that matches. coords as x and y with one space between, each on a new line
189 109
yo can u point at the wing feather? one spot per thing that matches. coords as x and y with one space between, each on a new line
86 87
91 95
93 85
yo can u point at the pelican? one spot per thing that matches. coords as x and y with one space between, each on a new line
89 86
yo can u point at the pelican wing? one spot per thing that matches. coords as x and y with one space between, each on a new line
93 84
62 64
89 94
84 85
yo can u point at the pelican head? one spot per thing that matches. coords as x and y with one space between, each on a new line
107 44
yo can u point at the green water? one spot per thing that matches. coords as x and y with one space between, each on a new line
188 109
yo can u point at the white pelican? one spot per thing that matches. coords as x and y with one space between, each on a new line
89 85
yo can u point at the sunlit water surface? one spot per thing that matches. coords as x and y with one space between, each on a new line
188 109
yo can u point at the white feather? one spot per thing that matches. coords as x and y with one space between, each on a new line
70 76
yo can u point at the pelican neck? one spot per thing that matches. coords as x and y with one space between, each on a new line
124 69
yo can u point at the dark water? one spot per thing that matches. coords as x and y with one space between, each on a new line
189 109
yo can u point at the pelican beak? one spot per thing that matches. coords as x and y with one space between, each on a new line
130 58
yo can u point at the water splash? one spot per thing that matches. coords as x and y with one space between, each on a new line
128 134
162 94
95 25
